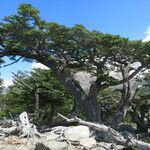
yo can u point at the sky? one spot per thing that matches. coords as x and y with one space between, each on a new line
128 18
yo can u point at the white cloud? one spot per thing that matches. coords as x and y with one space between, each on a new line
38 65
147 35
7 83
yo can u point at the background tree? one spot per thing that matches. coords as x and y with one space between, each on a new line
52 97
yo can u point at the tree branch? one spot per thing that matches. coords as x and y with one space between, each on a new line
13 62
106 85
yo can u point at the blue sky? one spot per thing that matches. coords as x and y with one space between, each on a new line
128 18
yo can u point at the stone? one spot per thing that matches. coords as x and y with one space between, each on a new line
104 146
76 133
88 142
51 136
52 145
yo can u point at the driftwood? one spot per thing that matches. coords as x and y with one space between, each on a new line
24 127
7 131
116 136
28 129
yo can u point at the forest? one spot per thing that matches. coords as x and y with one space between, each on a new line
115 92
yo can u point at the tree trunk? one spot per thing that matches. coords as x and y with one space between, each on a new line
37 104
92 109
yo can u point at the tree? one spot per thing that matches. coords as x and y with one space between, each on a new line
42 87
69 50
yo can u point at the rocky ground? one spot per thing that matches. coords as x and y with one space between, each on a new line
23 135
60 138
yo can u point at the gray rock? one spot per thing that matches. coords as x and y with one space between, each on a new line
76 133
54 145
51 136
88 142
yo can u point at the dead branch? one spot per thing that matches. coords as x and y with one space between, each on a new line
13 62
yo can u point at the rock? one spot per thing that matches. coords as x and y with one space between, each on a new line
104 146
51 136
54 145
28 146
88 142
98 148
76 133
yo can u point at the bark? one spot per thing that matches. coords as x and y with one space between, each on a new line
92 110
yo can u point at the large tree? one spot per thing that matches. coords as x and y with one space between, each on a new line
69 50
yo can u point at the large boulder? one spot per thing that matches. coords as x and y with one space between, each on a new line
76 133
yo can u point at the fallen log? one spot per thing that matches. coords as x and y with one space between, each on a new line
116 136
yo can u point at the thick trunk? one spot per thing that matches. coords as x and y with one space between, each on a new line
92 109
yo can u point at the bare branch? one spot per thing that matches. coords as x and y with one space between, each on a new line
13 62
132 75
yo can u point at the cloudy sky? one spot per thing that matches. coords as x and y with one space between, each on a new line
128 18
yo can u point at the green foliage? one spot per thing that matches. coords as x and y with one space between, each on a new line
26 34
53 97
108 99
